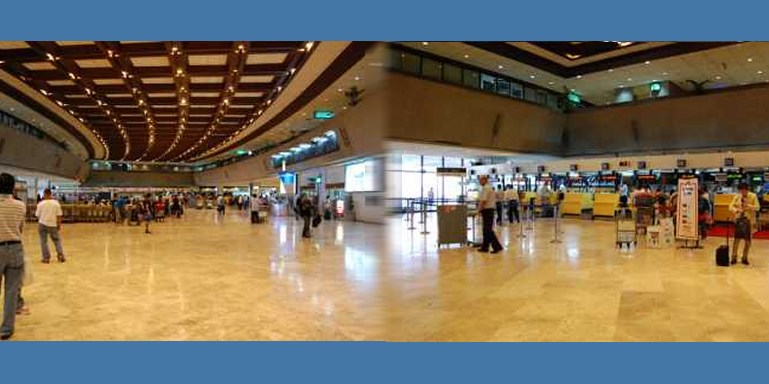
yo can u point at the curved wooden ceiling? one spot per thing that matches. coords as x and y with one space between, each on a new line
158 101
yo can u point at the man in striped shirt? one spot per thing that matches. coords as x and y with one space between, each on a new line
12 214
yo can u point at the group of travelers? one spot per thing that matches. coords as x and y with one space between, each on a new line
13 264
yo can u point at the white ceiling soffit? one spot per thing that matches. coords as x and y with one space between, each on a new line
28 114
320 59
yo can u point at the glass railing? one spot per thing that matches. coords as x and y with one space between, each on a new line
432 67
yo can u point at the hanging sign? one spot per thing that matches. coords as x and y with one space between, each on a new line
686 214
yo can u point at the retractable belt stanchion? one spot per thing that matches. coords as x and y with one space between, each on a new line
410 203
424 219
555 226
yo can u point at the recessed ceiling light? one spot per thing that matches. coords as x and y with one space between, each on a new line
425 43
357 78
750 59
647 62
551 83
467 56
629 79
533 76
611 69
718 77
664 73
760 72
500 66
579 76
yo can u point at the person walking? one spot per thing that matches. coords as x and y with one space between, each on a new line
254 210
511 195
48 215
744 207
145 212
500 198
488 203
307 211
12 215
220 205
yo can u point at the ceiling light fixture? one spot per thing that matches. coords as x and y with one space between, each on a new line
647 62
425 43
750 59
467 56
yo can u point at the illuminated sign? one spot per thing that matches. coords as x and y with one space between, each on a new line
574 97
681 163
323 115
656 87
728 162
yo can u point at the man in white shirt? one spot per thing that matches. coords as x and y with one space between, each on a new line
49 223
744 204
511 195
488 203
12 215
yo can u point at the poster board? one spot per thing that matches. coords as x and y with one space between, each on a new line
686 213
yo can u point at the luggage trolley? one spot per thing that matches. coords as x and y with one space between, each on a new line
626 228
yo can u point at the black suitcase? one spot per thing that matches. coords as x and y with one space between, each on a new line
722 252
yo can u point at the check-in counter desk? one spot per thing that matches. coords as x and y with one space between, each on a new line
721 207
605 204
574 203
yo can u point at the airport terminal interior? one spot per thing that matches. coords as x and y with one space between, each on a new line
313 190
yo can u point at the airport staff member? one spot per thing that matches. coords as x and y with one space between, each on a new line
487 206
49 224
744 204
12 215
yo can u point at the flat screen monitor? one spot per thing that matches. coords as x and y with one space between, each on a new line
363 177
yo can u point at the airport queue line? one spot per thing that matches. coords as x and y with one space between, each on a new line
583 288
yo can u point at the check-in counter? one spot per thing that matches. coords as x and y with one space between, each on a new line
721 207
605 204
575 203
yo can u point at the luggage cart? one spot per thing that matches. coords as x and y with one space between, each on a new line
644 218
626 228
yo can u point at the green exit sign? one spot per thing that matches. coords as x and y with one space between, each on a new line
574 97
323 115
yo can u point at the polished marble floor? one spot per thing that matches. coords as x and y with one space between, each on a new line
582 289
206 278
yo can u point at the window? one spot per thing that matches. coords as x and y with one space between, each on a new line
552 101
503 87
516 90
530 94
488 83
471 78
410 63
541 97
452 74
431 69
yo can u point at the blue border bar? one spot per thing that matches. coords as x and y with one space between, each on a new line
649 20
324 362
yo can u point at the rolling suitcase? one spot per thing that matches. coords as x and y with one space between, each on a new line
722 252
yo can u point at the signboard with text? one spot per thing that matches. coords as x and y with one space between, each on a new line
686 214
